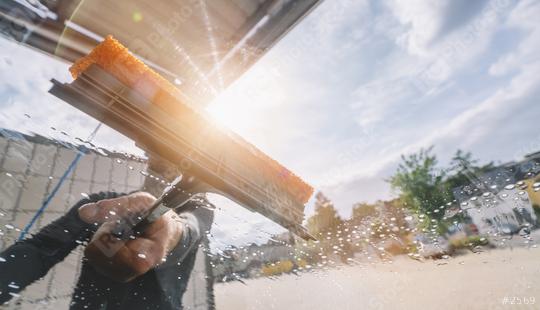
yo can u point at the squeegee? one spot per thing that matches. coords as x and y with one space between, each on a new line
113 86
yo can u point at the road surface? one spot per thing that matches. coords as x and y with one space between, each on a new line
489 280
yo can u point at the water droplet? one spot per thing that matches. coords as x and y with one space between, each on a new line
510 186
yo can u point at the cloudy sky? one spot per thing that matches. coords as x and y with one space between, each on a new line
351 88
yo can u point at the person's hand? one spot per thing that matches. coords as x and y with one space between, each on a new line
124 260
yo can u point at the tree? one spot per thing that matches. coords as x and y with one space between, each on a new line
326 219
421 184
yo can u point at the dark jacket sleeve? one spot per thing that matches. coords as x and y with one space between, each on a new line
28 260
173 275
196 222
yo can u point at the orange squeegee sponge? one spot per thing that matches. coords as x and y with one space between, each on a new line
114 58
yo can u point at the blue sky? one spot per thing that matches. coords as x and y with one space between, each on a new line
351 88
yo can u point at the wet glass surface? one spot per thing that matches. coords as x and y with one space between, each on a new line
414 122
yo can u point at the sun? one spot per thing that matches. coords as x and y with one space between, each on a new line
235 109
252 102
229 110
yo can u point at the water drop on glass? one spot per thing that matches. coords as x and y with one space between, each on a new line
510 187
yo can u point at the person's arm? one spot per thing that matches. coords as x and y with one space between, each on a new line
28 260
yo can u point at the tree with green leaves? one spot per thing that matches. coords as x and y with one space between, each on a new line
421 184
426 189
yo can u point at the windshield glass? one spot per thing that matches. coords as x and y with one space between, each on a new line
179 174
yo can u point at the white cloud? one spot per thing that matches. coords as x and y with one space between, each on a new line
523 17
482 120
424 62
421 20
441 54
375 100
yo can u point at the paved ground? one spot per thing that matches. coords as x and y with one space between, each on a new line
489 280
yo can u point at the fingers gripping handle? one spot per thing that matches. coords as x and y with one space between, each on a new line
175 196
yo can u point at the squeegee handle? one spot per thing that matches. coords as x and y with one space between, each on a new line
158 209
141 227
173 197
125 230
134 227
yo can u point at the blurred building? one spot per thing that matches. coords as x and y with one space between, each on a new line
501 199
248 261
